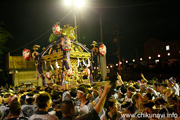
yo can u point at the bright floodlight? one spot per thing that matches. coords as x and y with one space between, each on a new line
167 47
79 3
68 2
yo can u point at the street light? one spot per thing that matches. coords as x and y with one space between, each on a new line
75 4
168 54
68 2
79 3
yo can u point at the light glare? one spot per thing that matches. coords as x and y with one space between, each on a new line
79 3
68 2
167 47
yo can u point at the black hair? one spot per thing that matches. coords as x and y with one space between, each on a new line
73 92
159 101
149 95
56 97
48 89
136 86
43 99
132 89
15 108
66 106
31 99
149 104
155 84
22 99
110 104
128 106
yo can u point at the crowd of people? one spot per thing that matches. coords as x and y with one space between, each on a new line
133 100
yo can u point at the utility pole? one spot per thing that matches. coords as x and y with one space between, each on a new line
75 24
117 40
102 58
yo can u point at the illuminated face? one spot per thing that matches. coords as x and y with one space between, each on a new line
79 95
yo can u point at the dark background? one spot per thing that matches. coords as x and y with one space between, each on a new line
30 22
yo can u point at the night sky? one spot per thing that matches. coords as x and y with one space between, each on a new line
30 22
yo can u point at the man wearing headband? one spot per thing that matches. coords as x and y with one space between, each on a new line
67 108
93 103
82 105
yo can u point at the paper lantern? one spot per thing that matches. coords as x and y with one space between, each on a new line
69 72
26 54
86 72
66 44
102 50
48 75
56 29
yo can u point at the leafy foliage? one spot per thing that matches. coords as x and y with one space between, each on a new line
52 38
4 36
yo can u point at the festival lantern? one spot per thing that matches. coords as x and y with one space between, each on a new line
48 75
56 29
26 54
102 50
86 72
66 44
69 72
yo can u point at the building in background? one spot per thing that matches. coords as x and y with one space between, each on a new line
156 51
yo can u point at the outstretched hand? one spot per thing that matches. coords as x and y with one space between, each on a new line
106 88
142 75
118 76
